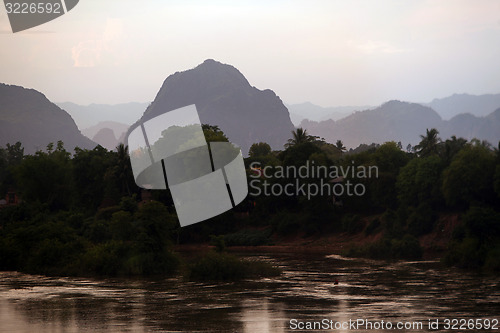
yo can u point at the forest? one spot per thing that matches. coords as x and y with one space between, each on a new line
80 213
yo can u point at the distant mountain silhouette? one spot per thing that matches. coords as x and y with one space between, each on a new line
468 126
106 138
118 131
224 97
86 116
310 111
405 122
26 115
478 106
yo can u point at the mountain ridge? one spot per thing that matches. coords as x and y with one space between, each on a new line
26 115
405 122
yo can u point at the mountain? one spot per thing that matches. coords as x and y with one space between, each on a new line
225 98
392 121
118 130
106 138
479 106
26 115
310 111
86 116
469 126
405 122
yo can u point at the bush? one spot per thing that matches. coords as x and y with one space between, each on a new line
466 254
249 237
352 224
421 221
286 223
218 242
226 267
492 262
373 226
406 248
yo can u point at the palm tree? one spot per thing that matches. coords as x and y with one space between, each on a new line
300 135
429 143
340 146
122 168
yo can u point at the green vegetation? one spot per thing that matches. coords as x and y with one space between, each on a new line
217 266
82 214
407 247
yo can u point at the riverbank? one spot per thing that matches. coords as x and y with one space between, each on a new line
434 244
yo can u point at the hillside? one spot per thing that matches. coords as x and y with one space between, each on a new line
310 111
113 133
405 122
26 115
392 121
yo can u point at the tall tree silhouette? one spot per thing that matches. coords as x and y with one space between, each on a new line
340 146
300 135
429 143
122 169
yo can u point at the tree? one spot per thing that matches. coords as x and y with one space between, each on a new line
213 133
15 153
259 149
418 181
451 147
300 135
340 146
470 177
429 143
89 170
122 169
47 178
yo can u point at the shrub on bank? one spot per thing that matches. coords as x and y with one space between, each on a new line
227 267
407 248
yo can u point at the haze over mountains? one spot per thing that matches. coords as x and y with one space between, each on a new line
405 122
26 115
107 133
456 104
86 116
310 111
247 115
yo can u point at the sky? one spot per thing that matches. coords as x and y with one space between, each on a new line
331 53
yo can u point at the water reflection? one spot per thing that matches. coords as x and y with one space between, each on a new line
306 291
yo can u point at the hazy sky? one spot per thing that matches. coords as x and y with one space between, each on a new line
327 52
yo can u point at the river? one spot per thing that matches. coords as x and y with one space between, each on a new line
407 293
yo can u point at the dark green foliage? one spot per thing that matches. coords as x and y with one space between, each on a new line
259 149
470 177
373 226
419 181
47 178
81 214
286 223
218 242
406 247
482 222
249 237
421 221
429 144
67 243
352 224
475 244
